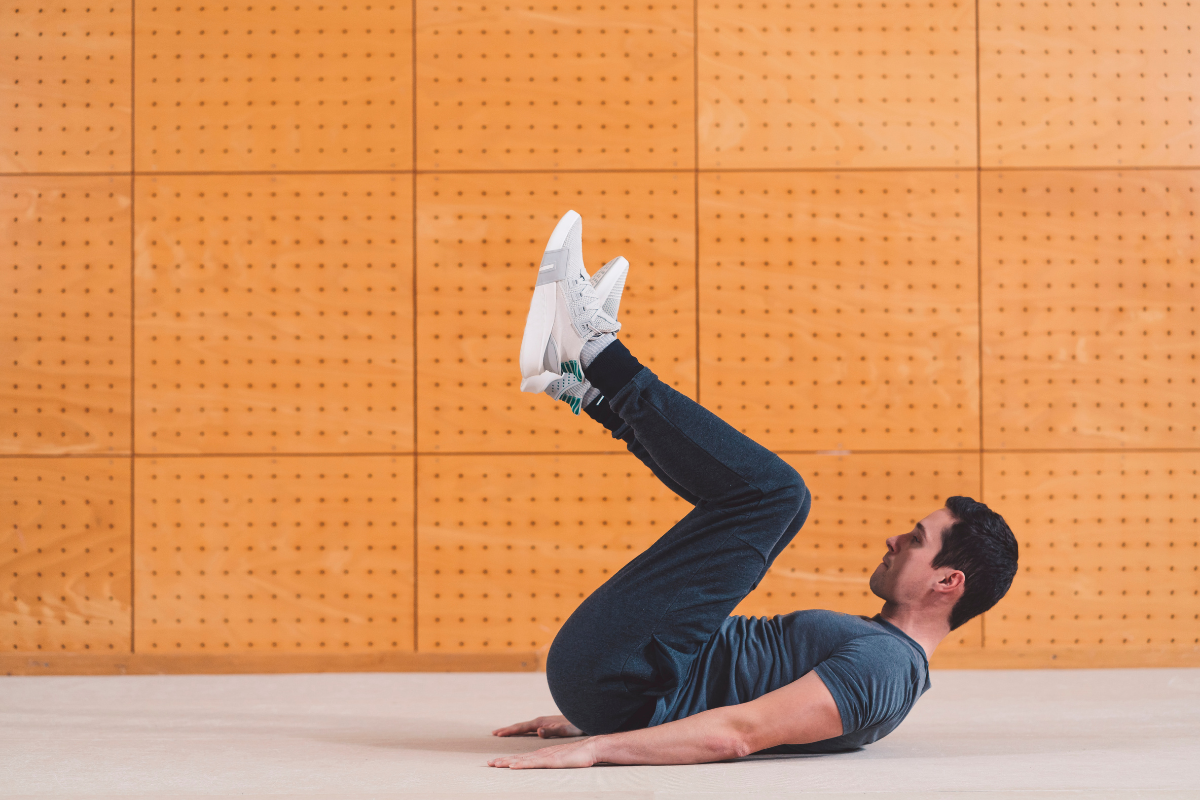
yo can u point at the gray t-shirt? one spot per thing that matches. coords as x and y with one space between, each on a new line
874 671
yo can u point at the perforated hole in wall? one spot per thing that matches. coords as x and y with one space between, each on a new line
1110 556
66 89
299 85
793 84
1090 309
275 315
839 310
65 322
65 544
480 241
260 554
552 85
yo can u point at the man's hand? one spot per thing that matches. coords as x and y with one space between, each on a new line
559 756
545 727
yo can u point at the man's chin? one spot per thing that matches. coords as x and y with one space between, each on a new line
875 582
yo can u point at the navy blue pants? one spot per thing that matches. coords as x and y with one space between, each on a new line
633 639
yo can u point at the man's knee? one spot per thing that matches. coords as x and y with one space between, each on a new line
562 664
573 661
788 488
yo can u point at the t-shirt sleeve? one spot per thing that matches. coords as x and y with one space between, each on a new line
871 680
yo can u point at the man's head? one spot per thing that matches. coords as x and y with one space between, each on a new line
961 558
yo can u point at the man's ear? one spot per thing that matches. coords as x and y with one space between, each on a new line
951 581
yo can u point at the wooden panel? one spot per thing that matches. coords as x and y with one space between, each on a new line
66 322
539 86
480 238
65 87
1089 304
838 311
308 85
836 85
1110 556
509 545
1116 86
65 540
256 554
274 315
858 502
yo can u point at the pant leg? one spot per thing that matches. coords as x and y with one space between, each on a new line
602 412
633 639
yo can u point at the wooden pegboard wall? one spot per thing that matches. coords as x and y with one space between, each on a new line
1090 287
274 315
1112 86
226 92
65 555
836 84
291 555
840 310
1110 557
66 87
292 86
66 328
551 85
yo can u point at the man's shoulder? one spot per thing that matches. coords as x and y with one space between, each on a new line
858 634
836 619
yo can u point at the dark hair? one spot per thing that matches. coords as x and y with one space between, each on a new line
979 543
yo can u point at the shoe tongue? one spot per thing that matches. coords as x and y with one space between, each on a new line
603 321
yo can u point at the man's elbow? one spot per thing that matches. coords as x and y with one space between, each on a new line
740 731
742 747
719 746
733 744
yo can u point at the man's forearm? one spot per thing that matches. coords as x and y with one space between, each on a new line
697 739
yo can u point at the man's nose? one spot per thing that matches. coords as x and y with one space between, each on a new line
891 544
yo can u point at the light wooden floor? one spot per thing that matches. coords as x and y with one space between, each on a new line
1027 734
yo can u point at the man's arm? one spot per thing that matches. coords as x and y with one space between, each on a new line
801 712
707 736
703 737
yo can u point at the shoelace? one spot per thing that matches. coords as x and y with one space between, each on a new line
593 303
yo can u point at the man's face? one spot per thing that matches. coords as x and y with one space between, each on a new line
906 574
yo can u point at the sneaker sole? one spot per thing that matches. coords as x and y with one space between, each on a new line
540 320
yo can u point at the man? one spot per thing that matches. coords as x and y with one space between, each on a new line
651 667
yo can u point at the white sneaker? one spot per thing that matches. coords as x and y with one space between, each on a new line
609 283
565 312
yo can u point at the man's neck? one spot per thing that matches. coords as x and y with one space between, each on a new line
920 628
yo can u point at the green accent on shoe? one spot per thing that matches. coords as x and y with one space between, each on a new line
572 367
